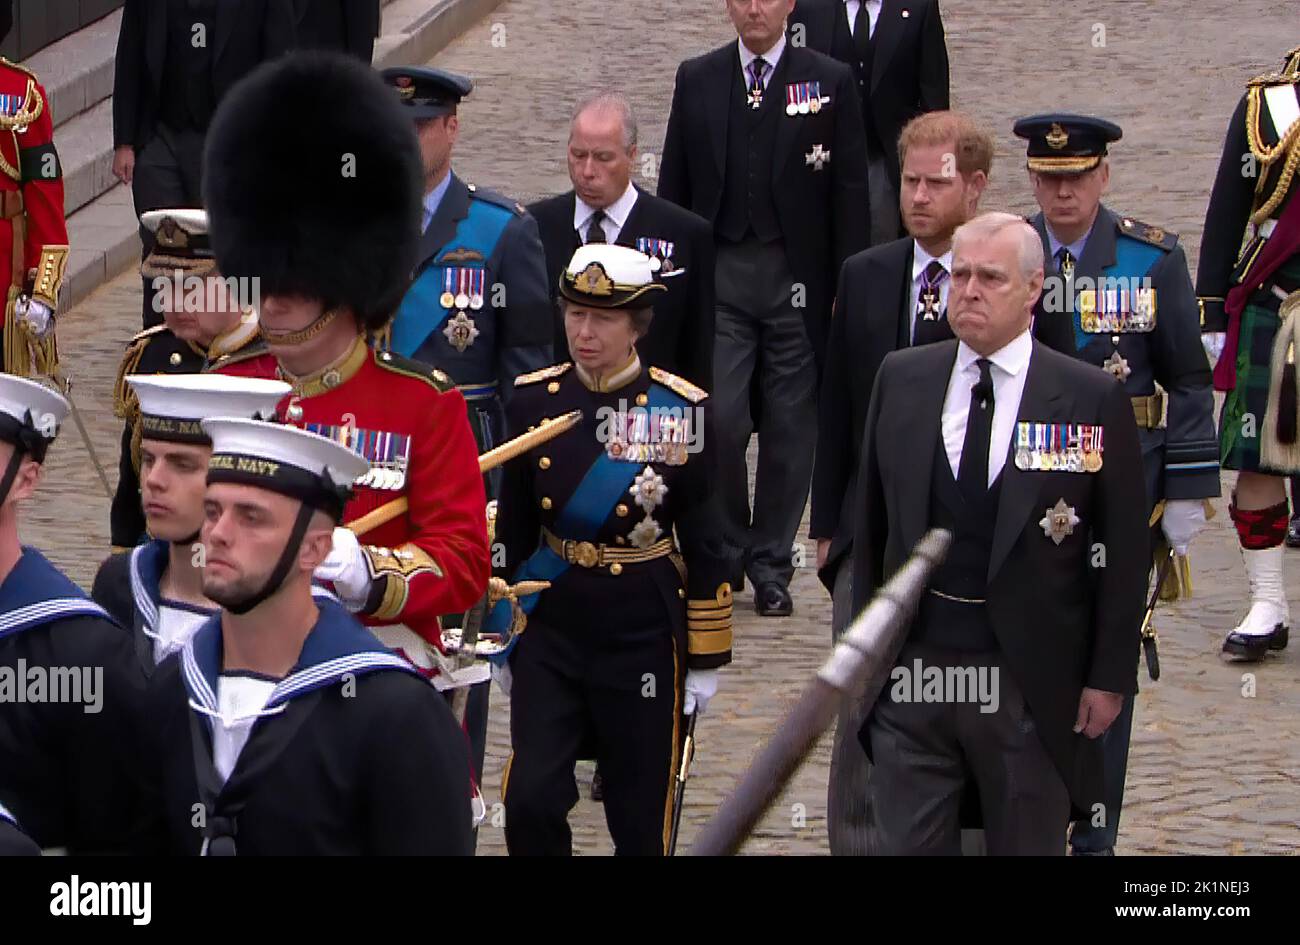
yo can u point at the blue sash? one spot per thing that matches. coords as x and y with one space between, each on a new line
1132 258
36 593
421 313
604 484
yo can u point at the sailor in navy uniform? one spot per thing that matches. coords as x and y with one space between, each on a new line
293 728
65 736
156 588
13 842
1126 288
198 328
478 307
631 633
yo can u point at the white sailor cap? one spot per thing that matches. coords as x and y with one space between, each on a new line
172 405
297 463
606 275
30 414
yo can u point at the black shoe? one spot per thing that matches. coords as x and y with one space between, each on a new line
597 787
1251 648
1293 533
773 600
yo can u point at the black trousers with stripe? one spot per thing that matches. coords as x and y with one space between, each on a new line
598 673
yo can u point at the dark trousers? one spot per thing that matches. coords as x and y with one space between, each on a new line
168 173
761 340
886 220
927 753
848 797
599 677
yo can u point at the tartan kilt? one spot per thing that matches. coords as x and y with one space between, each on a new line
1259 328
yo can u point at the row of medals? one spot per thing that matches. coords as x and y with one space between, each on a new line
1075 457
461 300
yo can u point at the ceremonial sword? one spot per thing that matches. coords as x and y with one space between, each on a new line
683 773
1148 631
65 385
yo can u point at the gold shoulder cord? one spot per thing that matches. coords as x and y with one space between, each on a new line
1288 144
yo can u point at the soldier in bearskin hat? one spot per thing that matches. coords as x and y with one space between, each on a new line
313 183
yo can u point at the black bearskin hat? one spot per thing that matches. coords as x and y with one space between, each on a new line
6 18
313 181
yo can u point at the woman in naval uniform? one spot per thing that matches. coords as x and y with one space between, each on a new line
617 514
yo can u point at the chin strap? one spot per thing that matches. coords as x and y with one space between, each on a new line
282 566
291 338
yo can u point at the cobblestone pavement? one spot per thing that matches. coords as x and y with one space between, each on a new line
1212 770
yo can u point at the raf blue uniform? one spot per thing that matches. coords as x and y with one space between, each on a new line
1149 340
478 307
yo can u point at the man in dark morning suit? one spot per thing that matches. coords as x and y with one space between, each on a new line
889 297
167 86
765 140
899 58
1031 459
606 206
347 26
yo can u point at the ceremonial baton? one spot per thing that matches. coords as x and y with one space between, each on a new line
1148 631
65 385
545 432
864 655
683 773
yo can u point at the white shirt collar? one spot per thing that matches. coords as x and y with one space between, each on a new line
921 259
771 57
1012 358
618 211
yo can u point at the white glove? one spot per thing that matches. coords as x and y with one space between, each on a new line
38 316
346 567
505 679
1213 342
1181 521
701 686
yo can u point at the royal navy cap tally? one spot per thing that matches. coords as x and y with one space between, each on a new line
181 242
30 413
283 459
172 407
425 92
606 275
1061 143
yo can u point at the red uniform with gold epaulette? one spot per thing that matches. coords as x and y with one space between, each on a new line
33 232
410 422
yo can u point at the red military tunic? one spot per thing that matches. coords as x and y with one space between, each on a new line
33 233
431 560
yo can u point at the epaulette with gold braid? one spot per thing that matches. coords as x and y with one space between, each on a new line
545 374
19 67
124 403
678 385
1147 233
406 367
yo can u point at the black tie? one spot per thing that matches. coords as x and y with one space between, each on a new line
972 473
595 231
1065 263
862 37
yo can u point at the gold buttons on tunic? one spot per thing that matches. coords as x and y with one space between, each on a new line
553 387
642 400
544 463
175 358
681 592
546 502
616 569
294 412
620 540
620 510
